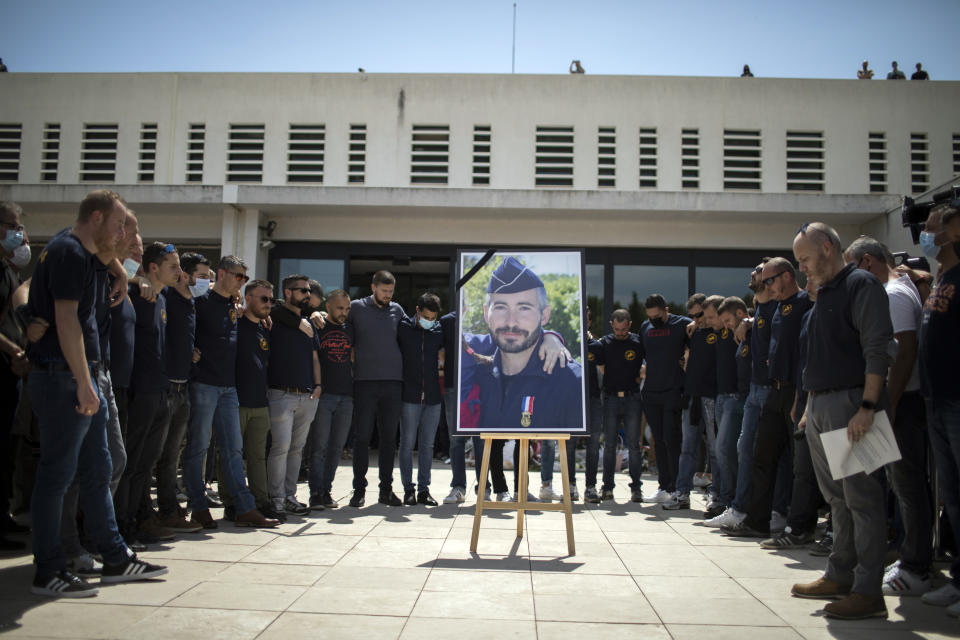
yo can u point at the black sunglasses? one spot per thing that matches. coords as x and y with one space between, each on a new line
769 281
265 299
696 316
300 289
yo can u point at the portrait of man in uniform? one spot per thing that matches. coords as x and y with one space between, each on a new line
513 387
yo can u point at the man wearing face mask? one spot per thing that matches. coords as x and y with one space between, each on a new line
181 332
421 342
294 387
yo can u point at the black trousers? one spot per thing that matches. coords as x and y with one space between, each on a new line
149 418
663 413
806 498
774 439
9 397
496 465
377 402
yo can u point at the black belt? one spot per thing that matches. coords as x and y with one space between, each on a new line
279 387
178 386
618 394
820 392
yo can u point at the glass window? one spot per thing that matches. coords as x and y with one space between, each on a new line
725 281
633 283
329 273
594 291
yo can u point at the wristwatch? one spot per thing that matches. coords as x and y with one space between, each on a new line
866 404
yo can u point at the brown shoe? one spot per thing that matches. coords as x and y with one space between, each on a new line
857 606
153 529
821 588
254 518
179 524
204 519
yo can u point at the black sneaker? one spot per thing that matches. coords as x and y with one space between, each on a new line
424 497
328 501
788 540
130 571
606 494
63 584
741 530
316 502
713 512
390 499
270 513
358 498
591 496
823 546
136 546
409 497
636 495
230 513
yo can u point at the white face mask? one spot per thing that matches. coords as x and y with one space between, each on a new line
131 266
21 256
200 288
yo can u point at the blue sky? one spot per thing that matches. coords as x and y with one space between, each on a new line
815 38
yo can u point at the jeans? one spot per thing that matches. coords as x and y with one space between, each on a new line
628 409
729 423
378 402
290 418
548 454
71 445
691 443
328 434
748 436
857 502
149 418
254 429
663 416
417 422
458 444
178 406
215 408
943 417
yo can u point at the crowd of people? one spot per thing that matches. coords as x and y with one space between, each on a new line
128 364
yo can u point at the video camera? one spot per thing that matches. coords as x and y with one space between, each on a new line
915 214
918 264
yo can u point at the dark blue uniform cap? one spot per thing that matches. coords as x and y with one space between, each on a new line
513 277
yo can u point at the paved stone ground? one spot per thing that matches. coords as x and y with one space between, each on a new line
379 572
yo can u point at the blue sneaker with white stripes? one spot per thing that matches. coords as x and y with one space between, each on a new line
131 570
63 584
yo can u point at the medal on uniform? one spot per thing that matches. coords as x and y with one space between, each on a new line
526 408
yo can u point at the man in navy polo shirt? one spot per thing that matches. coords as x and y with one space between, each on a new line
253 355
664 338
330 427
421 341
774 445
71 412
294 387
213 400
619 356
378 385
149 414
181 335
700 390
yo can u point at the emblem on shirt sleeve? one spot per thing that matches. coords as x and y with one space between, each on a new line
591 357
526 411
712 338
163 316
761 323
629 354
264 346
744 350
233 314
786 309
725 334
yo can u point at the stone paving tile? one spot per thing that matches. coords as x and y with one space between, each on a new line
311 626
245 596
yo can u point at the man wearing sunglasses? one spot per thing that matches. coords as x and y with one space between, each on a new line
766 509
214 402
294 387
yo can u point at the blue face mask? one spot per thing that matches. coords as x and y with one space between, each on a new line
131 266
427 324
928 244
200 288
12 240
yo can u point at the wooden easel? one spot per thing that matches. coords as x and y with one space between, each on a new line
523 479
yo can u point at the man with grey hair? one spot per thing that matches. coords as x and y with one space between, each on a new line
848 333
908 477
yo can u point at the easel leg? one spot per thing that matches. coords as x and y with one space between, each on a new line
481 494
567 502
522 478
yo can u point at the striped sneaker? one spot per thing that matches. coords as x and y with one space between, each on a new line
131 570
63 584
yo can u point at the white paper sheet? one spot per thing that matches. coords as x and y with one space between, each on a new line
877 448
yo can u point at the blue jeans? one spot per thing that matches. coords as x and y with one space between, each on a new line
327 437
628 408
458 444
71 445
417 421
748 435
215 407
943 416
691 442
548 454
729 422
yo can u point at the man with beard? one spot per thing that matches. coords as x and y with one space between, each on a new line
515 392
378 385
294 387
848 334
71 412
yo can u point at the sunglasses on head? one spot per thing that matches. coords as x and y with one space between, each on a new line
169 249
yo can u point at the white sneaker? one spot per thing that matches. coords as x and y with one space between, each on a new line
659 496
701 481
945 596
574 494
504 496
891 570
456 496
547 494
729 517
905 583
778 522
